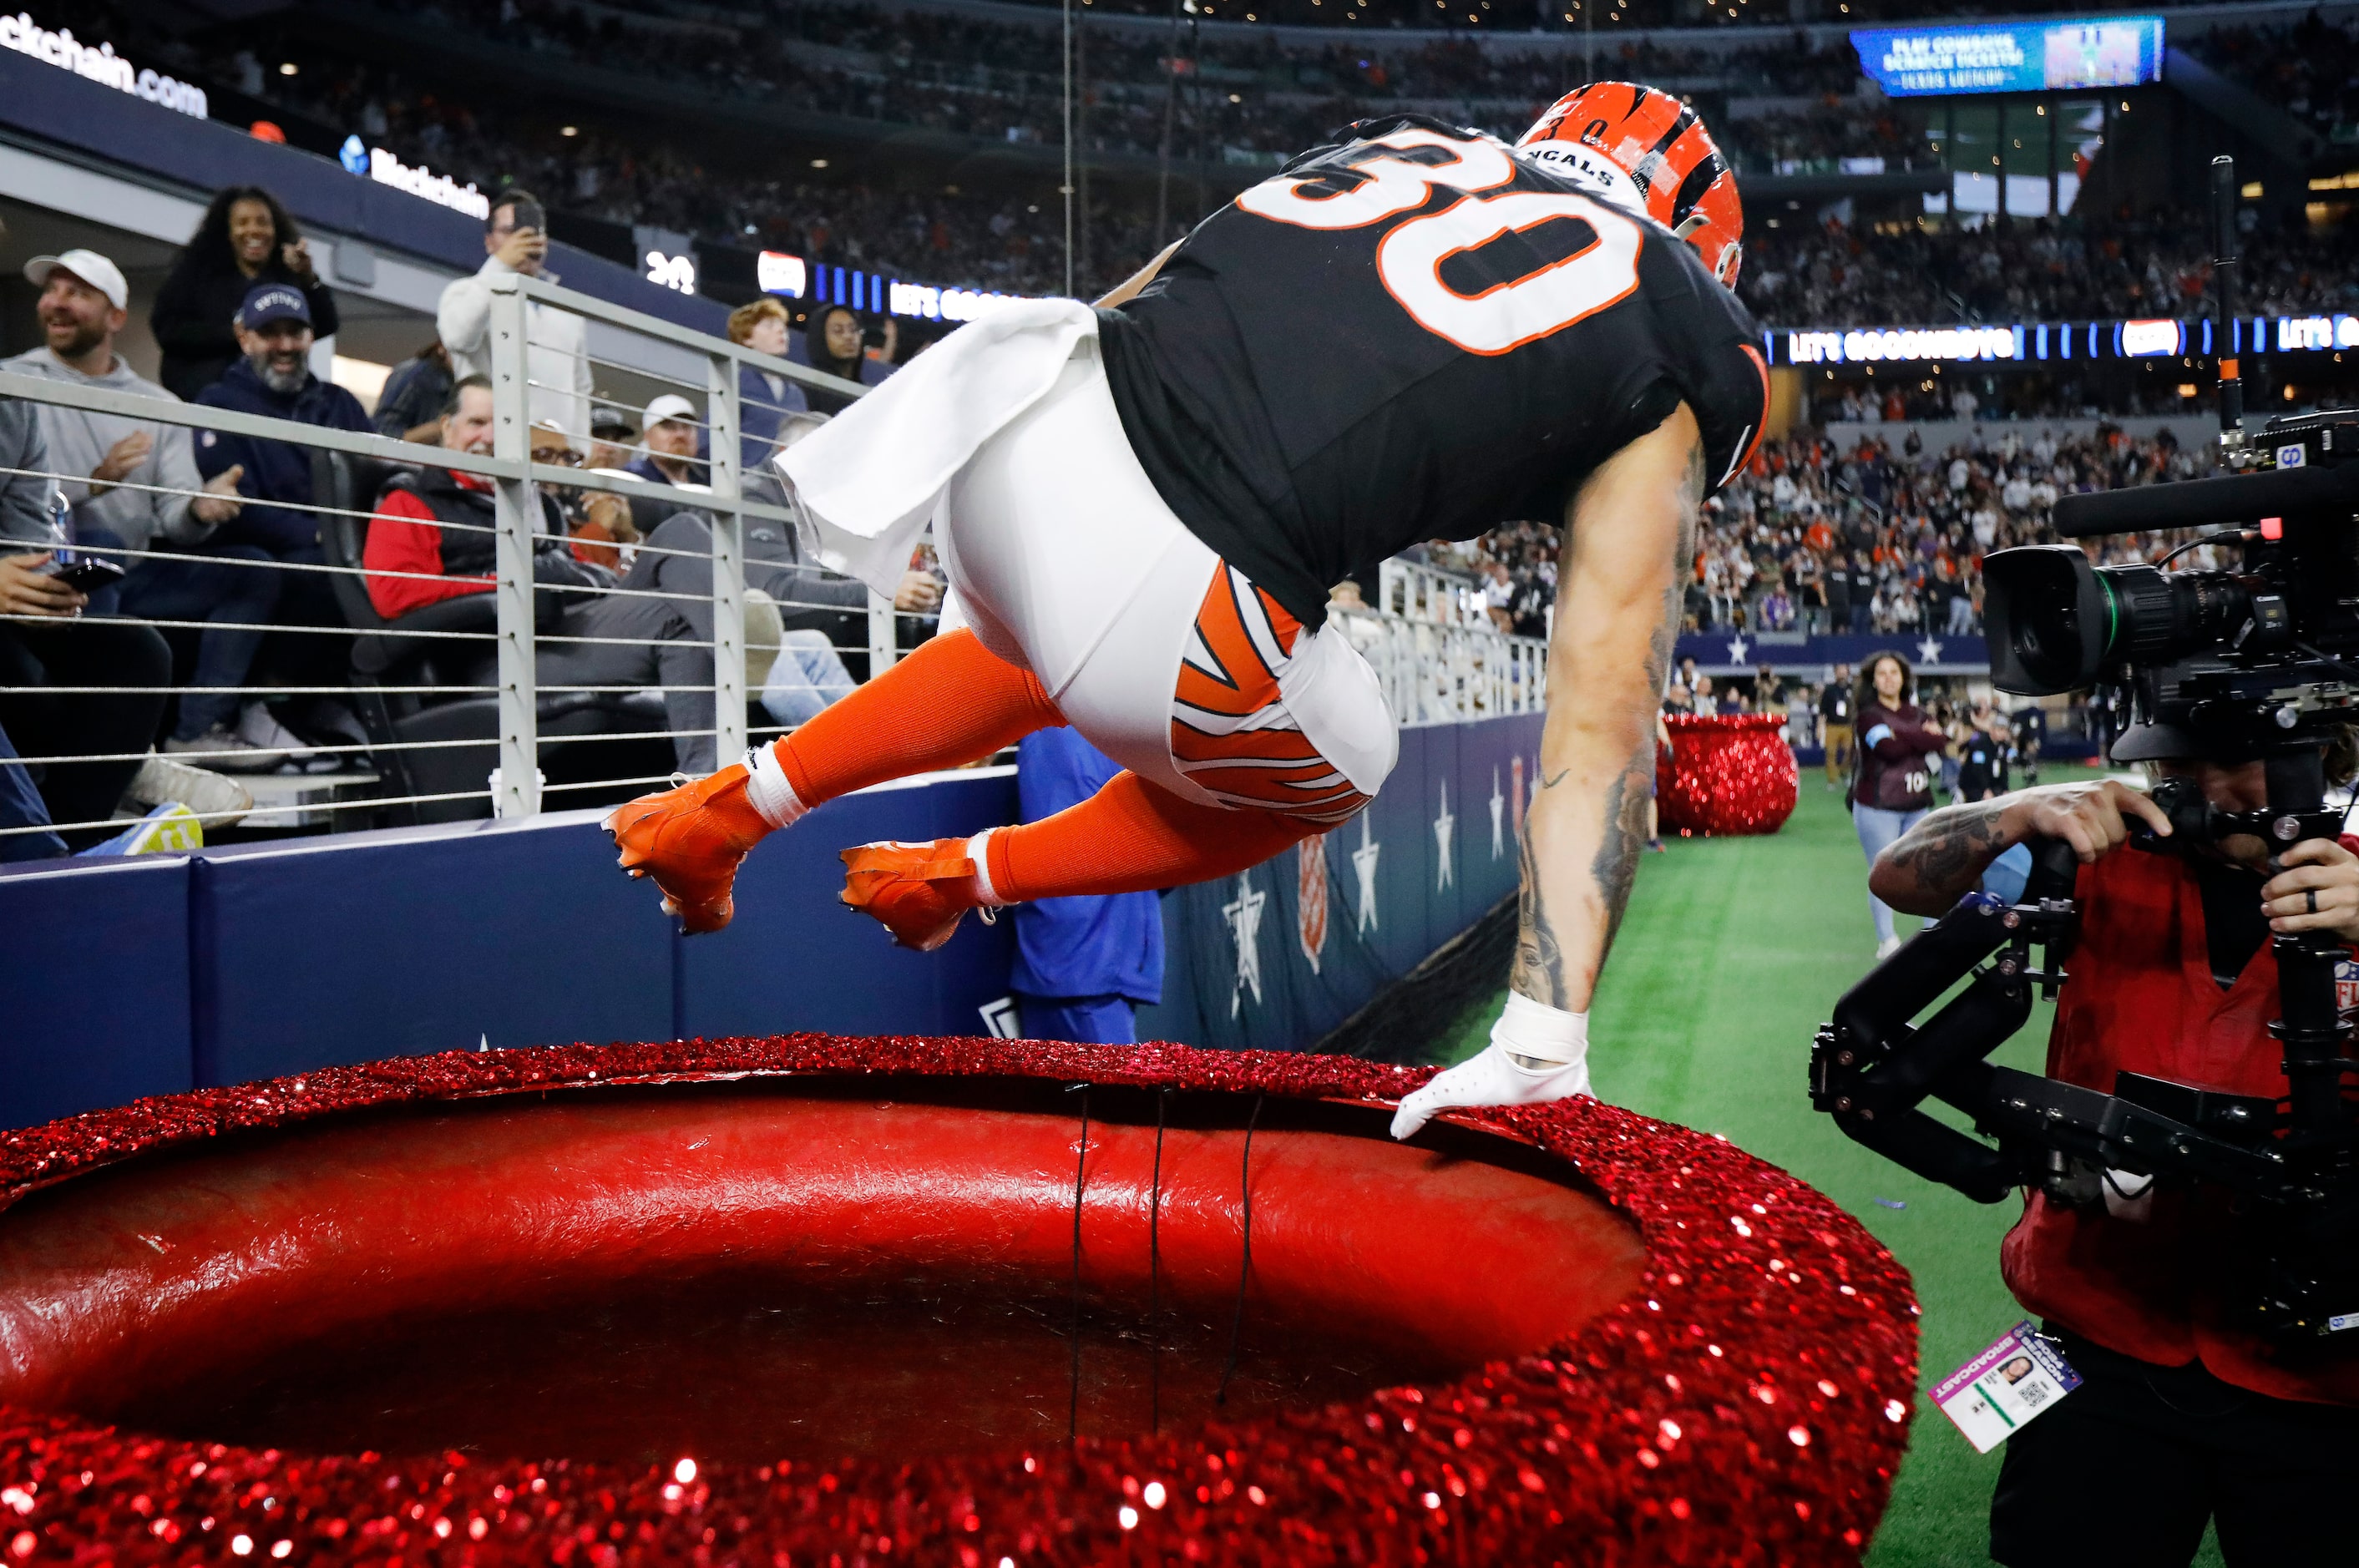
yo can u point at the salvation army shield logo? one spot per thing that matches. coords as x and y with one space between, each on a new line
1310 898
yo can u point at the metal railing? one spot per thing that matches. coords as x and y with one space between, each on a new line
579 669
1437 673
581 678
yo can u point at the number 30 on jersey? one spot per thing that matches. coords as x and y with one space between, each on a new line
1409 259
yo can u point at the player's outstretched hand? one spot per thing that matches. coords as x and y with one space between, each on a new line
1489 1078
1537 1054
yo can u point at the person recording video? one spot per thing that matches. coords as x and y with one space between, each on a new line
2182 1417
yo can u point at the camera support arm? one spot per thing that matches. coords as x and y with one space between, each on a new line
1872 1070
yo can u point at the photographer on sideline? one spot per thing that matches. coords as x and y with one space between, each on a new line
2181 1416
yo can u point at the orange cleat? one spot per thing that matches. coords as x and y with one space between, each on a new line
919 892
691 840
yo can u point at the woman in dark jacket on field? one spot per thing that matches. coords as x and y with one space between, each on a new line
1891 784
244 239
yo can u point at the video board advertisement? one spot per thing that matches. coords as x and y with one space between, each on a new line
2025 57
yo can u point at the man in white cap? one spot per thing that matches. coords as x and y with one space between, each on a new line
83 304
144 504
668 452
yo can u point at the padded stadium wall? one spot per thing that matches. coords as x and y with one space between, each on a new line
166 972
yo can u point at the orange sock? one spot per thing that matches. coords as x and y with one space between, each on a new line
1131 836
949 701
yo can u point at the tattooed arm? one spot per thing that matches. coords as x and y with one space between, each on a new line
1942 858
1629 535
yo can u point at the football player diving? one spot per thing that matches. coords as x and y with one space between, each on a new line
1415 333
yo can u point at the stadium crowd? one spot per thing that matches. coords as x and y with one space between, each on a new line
1812 537
2036 270
2310 67
1817 540
1792 108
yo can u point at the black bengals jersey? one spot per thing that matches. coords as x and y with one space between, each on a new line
1409 334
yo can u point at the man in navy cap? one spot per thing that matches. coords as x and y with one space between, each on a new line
274 379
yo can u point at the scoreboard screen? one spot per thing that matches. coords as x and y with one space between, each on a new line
2032 57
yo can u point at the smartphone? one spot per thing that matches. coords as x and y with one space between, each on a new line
89 573
529 215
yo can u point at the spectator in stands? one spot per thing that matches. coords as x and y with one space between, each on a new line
832 343
668 449
46 640
764 397
599 522
143 496
612 438
821 612
634 641
411 406
274 379
1894 789
245 239
557 353
1499 596
1083 966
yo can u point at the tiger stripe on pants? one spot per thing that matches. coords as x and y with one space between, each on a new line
1232 734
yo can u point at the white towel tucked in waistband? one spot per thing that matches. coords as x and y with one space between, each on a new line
869 480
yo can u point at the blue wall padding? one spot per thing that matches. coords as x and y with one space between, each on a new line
97 1004
255 961
347 949
1209 996
794 958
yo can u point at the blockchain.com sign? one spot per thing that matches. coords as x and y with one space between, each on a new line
2045 57
98 62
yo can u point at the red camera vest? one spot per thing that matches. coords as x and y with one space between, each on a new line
2140 998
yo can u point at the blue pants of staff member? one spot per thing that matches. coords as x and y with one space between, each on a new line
1086 1020
1877 829
21 806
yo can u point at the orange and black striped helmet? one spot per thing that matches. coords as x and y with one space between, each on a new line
1670 159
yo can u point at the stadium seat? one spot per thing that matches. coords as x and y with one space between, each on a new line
385 661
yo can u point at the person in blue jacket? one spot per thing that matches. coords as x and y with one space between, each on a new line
1083 966
274 379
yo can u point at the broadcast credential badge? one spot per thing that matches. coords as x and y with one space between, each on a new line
2018 1377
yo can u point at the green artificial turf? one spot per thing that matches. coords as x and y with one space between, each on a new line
1732 952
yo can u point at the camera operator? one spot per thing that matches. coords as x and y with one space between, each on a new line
2181 1417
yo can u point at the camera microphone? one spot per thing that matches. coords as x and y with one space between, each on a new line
2194 503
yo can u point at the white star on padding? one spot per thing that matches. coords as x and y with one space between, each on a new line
1441 826
1737 647
1363 861
1499 818
1244 915
1929 650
